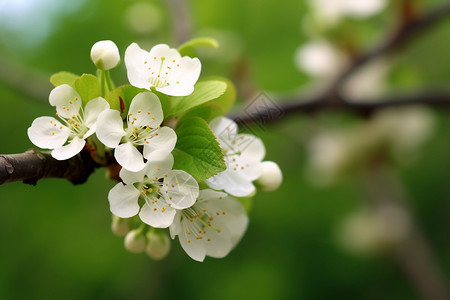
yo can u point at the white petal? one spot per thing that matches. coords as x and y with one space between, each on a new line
179 189
271 176
251 146
217 244
193 247
160 166
93 109
234 219
176 227
232 183
132 177
157 218
67 151
226 131
145 110
44 134
163 50
246 168
110 128
129 157
182 82
66 100
135 59
123 200
160 144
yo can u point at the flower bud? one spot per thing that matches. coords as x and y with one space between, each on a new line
135 241
158 245
120 226
105 55
271 177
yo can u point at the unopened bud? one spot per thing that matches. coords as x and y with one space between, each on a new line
120 226
271 177
135 241
105 55
158 245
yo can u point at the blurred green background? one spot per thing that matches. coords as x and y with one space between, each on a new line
55 238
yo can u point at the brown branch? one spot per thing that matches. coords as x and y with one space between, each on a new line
33 165
330 97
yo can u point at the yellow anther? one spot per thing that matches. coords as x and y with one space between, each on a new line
217 213
163 209
189 241
148 113
51 121
165 175
170 197
199 238
63 107
139 111
176 182
129 115
60 127
173 60
173 185
209 240
170 204
70 101
53 132
211 218
224 213
76 98
155 209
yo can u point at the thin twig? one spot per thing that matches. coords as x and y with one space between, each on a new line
330 97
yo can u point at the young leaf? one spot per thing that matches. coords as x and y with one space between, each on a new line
197 150
63 78
204 91
121 97
187 49
88 87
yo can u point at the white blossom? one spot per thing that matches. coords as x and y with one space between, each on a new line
143 129
66 136
162 68
243 155
161 189
105 55
211 227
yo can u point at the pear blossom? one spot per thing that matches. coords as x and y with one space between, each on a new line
161 189
143 129
67 136
211 227
243 155
332 11
162 68
105 55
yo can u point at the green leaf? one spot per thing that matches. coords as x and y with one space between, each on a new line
88 87
187 49
120 98
207 112
63 78
197 150
204 91
226 100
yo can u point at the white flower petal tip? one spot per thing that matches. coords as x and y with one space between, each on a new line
143 129
226 223
243 156
271 177
162 68
135 241
105 55
158 245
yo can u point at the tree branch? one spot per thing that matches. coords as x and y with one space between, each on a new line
330 97
33 165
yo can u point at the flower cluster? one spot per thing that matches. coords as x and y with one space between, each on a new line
180 173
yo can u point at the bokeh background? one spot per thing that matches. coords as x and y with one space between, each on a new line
317 237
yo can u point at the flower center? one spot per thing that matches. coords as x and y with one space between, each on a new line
152 194
76 124
198 222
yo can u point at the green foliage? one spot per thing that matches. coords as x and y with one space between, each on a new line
187 49
204 91
88 87
120 98
63 78
197 150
